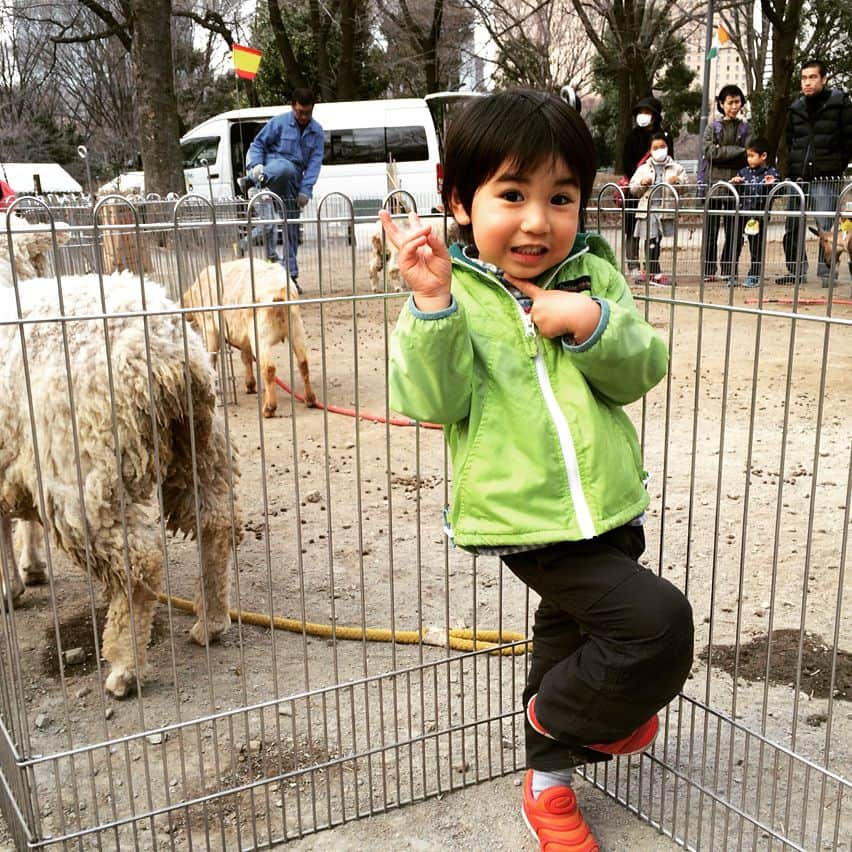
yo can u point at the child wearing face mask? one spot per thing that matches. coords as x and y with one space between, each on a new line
647 117
652 221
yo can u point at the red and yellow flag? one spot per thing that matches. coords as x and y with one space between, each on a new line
246 61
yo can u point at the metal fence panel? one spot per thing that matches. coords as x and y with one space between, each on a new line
305 714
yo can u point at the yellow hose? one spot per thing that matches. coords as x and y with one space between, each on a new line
459 639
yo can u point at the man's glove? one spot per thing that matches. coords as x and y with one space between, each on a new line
303 200
256 173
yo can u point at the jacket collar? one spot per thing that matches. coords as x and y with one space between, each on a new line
583 244
834 98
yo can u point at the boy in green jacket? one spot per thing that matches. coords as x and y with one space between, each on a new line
525 344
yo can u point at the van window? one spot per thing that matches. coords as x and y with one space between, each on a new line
375 145
407 144
196 150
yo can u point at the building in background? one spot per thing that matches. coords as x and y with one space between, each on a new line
726 68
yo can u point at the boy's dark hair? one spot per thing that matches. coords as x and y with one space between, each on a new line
815 63
520 125
729 91
759 144
303 96
659 134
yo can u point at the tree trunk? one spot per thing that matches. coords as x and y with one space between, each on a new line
320 29
285 49
626 99
158 119
348 77
784 48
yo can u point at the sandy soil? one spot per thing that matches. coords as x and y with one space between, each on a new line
750 468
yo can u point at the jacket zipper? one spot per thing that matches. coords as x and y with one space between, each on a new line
563 431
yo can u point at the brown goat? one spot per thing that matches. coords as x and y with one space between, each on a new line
844 243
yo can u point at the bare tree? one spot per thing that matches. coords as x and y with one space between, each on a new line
114 59
424 43
339 34
636 39
538 43
785 17
159 132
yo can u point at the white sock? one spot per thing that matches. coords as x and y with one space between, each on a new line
542 780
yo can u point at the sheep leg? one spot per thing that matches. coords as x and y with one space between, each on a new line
270 397
28 545
297 341
129 661
212 599
248 366
8 565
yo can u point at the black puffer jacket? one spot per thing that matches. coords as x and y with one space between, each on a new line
819 135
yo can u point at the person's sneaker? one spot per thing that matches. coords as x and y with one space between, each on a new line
634 742
555 820
296 285
751 281
786 279
637 275
709 279
661 280
731 281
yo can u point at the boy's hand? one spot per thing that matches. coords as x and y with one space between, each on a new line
646 181
736 179
424 261
556 313
769 179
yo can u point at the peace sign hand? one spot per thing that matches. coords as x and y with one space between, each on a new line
424 261
556 313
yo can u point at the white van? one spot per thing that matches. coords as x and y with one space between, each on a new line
361 138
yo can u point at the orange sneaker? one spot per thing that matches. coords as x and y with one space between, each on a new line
555 820
633 743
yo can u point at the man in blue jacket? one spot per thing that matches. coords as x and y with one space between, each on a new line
285 157
819 145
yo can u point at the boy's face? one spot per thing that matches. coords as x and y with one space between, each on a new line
524 223
755 158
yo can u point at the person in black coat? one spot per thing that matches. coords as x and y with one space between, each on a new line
819 146
647 115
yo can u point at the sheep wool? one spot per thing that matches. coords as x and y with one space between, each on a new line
99 411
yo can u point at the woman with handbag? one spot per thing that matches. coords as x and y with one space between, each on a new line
647 115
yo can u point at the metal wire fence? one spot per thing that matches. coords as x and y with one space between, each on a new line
347 683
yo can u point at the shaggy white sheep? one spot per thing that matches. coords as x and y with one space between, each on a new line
275 323
103 444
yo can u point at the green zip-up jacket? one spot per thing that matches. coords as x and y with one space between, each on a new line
541 449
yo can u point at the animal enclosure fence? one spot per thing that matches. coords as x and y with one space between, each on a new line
304 715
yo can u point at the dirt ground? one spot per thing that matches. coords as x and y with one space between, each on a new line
748 446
